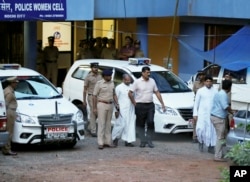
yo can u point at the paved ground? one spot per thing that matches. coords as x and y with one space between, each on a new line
174 159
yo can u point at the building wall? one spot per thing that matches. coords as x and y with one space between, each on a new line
189 63
160 30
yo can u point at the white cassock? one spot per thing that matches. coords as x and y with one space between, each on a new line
202 107
124 126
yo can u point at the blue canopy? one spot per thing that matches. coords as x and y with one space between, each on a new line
232 54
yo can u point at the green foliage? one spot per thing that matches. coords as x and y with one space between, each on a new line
239 154
225 175
241 125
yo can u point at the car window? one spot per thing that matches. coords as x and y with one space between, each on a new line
118 76
81 72
213 70
35 87
167 82
242 114
238 77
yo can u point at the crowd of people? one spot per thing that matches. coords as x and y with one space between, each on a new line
104 48
211 111
94 48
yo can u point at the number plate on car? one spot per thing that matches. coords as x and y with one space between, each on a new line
57 132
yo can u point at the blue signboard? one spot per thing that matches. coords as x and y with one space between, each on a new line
32 10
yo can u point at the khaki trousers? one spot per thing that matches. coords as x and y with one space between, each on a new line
219 125
11 117
92 121
194 130
52 72
105 112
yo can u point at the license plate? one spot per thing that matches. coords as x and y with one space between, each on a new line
57 132
56 135
59 129
190 123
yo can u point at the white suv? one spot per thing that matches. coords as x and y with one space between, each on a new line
176 95
44 116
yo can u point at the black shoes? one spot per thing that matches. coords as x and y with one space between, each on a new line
115 142
195 141
100 147
9 153
143 144
201 147
129 144
210 150
93 135
149 143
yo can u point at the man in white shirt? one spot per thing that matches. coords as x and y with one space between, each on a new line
201 113
141 95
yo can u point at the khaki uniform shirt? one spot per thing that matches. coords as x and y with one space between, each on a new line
91 80
108 53
139 54
10 98
197 85
51 53
104 90
84 53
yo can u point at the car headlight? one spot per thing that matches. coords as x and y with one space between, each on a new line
22 118
169 111
78 116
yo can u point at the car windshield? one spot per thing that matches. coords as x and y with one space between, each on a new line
34 87
167 82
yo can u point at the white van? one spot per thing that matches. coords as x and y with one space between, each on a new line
4 135
217 72
177 97
44 116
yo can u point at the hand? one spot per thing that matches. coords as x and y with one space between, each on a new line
117 114
95 111
84 104
195 118
163 108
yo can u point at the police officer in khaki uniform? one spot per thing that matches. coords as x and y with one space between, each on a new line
200 82
89 85
138 52
11 105
84 51
51 54
104 99
197 84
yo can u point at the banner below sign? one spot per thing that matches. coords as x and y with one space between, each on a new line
32 10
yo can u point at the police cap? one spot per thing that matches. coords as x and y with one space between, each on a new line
94 64
107 72
51 38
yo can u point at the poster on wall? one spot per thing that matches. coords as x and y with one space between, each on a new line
62 33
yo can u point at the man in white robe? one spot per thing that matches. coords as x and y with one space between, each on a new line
201 113
124 126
